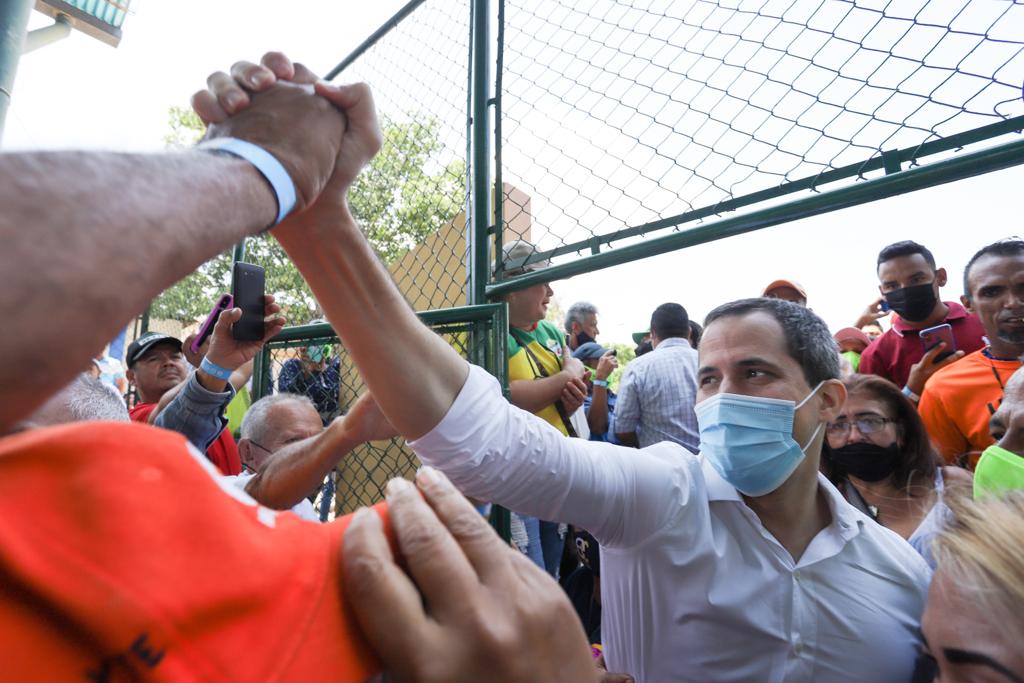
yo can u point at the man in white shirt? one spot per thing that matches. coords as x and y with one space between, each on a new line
658 390
743 564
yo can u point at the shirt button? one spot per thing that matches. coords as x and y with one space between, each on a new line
796 576
798 648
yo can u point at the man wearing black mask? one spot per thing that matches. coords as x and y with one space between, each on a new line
909 283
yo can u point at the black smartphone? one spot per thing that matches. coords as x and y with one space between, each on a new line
247 289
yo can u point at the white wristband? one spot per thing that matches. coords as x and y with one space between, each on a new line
265 163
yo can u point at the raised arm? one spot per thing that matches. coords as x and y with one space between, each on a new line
90 238
291 473
416 377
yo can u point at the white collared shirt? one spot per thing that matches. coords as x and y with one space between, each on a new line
693 587
657 394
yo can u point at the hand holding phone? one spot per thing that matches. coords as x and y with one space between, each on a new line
222 304
933 336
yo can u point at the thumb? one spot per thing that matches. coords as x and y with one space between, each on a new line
226 320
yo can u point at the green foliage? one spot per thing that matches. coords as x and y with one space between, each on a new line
405 194
625 353
186 128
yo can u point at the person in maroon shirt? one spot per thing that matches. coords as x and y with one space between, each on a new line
909 282
156 365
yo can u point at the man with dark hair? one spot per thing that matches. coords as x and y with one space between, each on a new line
656 393
909 282
959 400
581 324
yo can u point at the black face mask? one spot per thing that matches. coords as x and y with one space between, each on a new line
582 338
866 461
913 303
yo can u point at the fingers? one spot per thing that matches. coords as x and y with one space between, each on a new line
230 95
385 602
952 358
207 108
356 101
254 77
225 321
304 75
435 561
479 543
279 64
272 327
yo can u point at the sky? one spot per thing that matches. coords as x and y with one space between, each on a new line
80 93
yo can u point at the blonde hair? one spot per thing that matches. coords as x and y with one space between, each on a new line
982 551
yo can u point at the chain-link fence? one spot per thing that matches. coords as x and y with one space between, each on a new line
310 360
411 200
622 119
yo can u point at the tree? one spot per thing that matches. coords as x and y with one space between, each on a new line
408 192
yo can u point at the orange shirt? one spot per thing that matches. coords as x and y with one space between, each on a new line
955 404
124 559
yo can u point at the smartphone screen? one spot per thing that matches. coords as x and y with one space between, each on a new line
247 288
932 336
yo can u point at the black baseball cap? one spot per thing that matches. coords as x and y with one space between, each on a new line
145 343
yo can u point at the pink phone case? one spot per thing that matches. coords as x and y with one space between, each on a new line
223 303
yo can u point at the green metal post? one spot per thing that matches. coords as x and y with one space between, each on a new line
480 200
13 24
238 253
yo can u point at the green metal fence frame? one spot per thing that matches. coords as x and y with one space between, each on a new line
488 348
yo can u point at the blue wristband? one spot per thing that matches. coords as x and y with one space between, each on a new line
266 164
211 368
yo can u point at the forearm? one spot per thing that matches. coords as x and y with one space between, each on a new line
597 416
495 451
90 238
533 395
196 413
294 471
407 366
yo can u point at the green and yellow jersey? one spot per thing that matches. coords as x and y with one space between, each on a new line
545 342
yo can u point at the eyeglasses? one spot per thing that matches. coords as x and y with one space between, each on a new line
865 425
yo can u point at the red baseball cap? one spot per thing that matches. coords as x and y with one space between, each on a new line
792 284
852 334
124 558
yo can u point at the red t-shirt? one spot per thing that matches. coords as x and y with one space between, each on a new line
124 559
223 452
891 355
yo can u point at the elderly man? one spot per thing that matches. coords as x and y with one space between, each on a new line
287 452
581 324
745 564
657 391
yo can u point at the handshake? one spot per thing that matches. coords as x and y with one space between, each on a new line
321 134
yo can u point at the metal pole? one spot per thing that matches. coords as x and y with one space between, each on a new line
955 168
480 201
238 253
13 24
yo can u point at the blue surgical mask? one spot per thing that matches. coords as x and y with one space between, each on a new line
749 440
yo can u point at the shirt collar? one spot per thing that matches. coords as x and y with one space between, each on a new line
956 312
846 519
673 341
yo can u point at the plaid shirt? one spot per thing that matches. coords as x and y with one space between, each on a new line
656 396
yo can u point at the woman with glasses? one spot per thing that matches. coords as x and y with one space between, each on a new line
881 460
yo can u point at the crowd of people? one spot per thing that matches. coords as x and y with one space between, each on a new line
761 500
